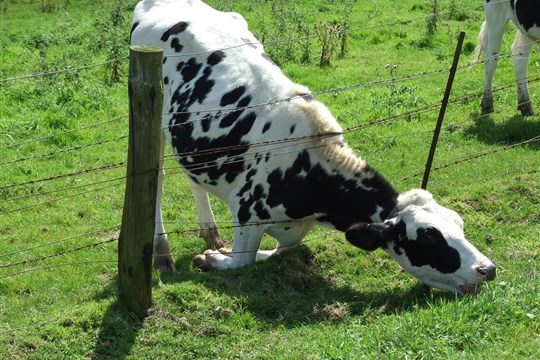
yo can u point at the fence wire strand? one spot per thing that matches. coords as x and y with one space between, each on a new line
65 132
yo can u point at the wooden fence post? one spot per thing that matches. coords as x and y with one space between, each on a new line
145 91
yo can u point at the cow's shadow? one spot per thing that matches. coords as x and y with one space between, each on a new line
287 290
515 130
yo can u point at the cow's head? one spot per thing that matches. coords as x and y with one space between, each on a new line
427 240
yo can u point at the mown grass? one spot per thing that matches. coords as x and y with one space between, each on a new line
323 300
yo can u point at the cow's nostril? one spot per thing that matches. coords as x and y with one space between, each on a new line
488 272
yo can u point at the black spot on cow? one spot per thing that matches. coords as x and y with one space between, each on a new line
203 86
133 27
174 30
266 127
528 13
254 200
206 122
258 192
291 130
175 44
261 211
215 58
305 189
166 80
233 116
203 151
232 96
258 158
430 248
189 70
164 60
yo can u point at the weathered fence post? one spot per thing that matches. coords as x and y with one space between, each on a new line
145 91
442 111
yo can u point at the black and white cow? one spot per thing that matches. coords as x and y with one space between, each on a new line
525 14
281 165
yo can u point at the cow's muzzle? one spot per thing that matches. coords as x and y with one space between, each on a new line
488 271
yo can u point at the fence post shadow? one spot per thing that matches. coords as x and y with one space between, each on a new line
118 330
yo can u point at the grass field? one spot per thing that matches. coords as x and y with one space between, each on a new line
324 300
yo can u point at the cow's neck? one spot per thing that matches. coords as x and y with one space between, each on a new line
337 188
360 194
366 197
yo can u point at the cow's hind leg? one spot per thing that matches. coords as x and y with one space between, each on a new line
521 48
207 223
162 254
496 24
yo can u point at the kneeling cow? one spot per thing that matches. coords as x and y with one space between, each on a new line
243 131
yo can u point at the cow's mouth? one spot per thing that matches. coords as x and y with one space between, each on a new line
470 288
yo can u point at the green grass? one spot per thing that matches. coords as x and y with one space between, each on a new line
324 300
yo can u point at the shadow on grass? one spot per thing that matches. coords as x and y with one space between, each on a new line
118 330
289 290
514 130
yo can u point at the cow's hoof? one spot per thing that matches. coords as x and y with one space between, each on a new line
487 110
202 261
199 260
225 251
526 110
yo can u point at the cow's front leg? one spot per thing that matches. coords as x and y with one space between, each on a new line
244 251
207 224
521 48
162 254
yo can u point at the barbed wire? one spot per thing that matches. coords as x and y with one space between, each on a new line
61 151
473 157
48 202
266 43
392 80
335 32
56 242
66 132
59 253
18 198
295 140
532 168
61 176
56 72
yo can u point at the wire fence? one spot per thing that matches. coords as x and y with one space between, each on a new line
12 267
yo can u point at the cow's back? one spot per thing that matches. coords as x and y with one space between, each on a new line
217 80
196 39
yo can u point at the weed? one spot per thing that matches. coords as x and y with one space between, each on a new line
433 18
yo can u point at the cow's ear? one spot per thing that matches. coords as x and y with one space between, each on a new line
369 236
